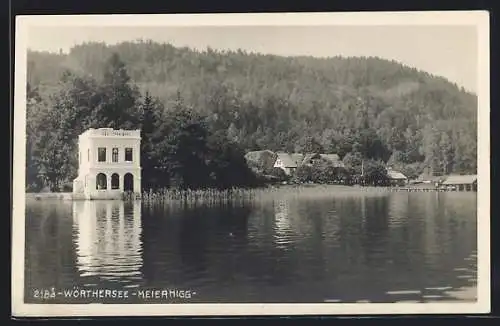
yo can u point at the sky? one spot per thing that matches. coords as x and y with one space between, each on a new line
447 51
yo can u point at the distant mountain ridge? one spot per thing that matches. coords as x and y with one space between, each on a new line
150 62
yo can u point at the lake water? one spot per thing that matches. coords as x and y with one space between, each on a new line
358 246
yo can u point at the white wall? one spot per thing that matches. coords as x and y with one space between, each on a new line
90 167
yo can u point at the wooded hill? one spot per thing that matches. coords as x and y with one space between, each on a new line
361 108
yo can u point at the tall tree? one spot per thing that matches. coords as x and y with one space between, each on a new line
309 144
34 111
53 150
149 124
183 148
118 108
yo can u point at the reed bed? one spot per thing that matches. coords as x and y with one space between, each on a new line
216 196
200 195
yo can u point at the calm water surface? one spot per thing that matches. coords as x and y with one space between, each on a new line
380 247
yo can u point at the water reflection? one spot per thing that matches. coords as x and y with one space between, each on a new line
388 247
107 237
282 224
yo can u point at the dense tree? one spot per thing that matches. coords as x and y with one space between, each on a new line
324 172
360 108
118 107
303 174
309 145
182 148
354 163
226 163
52 150
374 173
34 110
149 122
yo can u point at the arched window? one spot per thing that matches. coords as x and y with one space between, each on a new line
101 182
128 182
115 181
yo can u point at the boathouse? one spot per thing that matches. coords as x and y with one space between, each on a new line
396 178
460 182
109 164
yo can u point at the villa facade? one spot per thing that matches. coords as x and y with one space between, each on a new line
109 164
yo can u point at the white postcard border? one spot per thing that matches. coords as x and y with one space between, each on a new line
478 18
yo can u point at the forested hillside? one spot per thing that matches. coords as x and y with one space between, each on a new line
360 108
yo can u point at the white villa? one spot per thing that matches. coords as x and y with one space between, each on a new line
109 164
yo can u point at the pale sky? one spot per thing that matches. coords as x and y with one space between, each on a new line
447 51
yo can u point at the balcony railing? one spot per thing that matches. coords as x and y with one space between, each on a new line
113 132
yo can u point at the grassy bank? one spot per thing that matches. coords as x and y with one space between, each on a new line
272 192
49 195
217 195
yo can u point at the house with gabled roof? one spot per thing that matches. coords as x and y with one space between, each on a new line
334 159
461 182
309 159
288 162
396 178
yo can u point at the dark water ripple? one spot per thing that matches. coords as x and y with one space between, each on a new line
393 247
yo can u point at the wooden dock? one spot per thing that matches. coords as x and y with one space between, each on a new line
414 189
429 189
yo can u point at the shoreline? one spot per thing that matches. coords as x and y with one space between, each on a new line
245 192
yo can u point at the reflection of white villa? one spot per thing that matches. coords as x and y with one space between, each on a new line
109 164
281 211
282 224
108 238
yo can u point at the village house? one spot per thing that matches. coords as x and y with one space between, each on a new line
288 162
460 182
265 160
334 159
396 178
431 176
109 164
310 159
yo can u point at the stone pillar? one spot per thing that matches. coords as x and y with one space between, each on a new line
91 183
120 181
108 181
137 183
